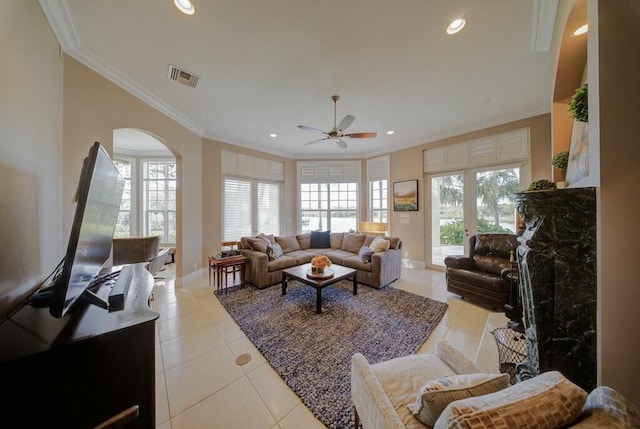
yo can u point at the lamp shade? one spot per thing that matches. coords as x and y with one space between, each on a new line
373 227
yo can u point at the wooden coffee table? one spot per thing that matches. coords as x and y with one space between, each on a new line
300 273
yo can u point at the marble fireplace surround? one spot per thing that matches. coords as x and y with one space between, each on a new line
558 281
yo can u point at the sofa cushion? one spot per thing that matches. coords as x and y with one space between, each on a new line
352 242
304 240
544 402
281 263
380 244
490 264
365 253
394 242
357 263
320 239
434 396
302 256
274 251
482 280
259 244
288 243
402 378
337 256
270 238
336 239
500 245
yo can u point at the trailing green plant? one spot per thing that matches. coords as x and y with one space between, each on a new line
560 160
579 104
541 184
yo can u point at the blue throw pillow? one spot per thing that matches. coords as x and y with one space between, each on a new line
274 251
320 239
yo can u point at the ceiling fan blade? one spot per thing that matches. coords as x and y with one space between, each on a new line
344 123
304 127
361 135
316 141
341 144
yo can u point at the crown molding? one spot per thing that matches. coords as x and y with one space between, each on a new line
61 21
543 21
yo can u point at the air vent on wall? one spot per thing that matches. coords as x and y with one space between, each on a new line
182 76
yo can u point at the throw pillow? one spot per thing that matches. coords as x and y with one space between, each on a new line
379 244
258 244
365 254
546 401
288 243
434 396
320 239
274 251
352 242
269 237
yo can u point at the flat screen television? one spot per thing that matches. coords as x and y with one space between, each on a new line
98 203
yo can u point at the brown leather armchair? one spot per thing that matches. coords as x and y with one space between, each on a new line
483 276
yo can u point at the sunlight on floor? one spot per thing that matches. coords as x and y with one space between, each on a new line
199 384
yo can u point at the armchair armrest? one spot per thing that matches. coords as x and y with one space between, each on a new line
372 403
454 359
461 262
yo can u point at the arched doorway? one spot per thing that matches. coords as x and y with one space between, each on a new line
150 203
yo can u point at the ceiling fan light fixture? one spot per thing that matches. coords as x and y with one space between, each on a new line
456 25
185 6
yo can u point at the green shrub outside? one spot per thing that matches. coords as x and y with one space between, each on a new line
452 234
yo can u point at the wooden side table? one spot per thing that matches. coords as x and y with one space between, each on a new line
220 267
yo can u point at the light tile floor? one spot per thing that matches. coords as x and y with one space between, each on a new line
198 383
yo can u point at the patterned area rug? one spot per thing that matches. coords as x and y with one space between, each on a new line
312 352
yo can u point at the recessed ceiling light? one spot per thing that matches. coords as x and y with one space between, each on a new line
390 132
273 135
456 25
581 30
185 6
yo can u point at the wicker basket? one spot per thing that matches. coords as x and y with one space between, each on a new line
512 351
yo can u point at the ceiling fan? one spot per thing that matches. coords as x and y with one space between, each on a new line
337 132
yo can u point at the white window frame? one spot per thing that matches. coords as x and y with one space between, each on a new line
329 172
133 212
254 204
164 239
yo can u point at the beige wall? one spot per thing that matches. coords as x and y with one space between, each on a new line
407 165
93 108
618 38
30 150
212 192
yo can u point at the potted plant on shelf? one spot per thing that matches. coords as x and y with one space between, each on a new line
560 161
579 104
541 184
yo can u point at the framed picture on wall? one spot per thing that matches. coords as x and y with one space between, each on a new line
578 165
405 196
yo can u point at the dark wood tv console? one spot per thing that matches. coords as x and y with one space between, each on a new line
84 368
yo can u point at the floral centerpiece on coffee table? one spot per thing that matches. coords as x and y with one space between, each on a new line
319 263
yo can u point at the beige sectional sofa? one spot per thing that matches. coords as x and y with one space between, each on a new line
342 249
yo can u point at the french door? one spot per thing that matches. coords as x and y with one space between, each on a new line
463 203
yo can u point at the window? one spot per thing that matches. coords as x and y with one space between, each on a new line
159 199
125 225
329 206
378 201
250 206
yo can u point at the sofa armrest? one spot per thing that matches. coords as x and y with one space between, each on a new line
454 359
605 407
372 403
461 262
256 269
387 265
